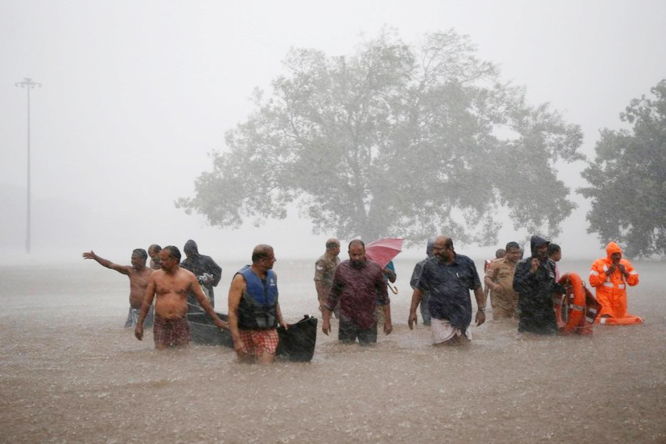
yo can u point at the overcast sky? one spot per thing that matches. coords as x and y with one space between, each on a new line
135 94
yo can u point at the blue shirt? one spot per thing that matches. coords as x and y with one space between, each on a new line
449 286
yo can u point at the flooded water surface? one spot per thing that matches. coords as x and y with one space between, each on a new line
69 372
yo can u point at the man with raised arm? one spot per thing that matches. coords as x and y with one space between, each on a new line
254 310
170 286
138 275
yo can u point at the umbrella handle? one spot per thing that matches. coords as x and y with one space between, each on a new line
394 290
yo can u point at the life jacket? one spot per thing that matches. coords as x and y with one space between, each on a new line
578 309
257 309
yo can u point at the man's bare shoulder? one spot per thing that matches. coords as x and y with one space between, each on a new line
185 276
145 272
186 273
238 279
157 275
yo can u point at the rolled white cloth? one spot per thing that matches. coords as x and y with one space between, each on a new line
442 331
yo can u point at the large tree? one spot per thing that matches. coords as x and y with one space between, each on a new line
628 178
393 140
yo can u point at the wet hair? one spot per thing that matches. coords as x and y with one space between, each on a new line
500 253
260 252
156 248
174 252
448 243
553 248
141 253
512 246
430 246
356 242
331 245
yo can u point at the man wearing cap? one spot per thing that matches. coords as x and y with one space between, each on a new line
325 270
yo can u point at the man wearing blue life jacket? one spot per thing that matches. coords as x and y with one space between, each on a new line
254 311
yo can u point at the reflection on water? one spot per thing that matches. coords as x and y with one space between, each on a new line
70 372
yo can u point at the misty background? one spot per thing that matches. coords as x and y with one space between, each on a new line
136 94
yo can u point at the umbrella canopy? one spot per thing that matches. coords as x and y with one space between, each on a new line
383 251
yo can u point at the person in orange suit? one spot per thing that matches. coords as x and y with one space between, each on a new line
610 276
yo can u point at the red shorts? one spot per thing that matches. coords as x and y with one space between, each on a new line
170 332
258 342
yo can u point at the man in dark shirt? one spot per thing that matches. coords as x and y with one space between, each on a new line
416 274
449 277
359 285
534 282
208 273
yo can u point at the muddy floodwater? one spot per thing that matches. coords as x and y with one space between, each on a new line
70 372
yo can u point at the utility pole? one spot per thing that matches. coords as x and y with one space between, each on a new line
28 84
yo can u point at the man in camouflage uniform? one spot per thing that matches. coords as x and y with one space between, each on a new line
499 279
325 270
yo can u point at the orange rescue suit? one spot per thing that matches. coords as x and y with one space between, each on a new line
612 290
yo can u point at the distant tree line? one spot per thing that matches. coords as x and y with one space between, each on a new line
409 140
628 178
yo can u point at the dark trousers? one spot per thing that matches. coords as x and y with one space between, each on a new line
349 332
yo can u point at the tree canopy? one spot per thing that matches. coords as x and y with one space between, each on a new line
393 140
628 178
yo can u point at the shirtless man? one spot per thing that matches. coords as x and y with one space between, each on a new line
171 284
154 253
138 275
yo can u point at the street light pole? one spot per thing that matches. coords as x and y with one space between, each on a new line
28 84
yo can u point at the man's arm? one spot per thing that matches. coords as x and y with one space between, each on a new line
195 288
383 298
124 269
147 302
631 275
279 317
331 302
321 268
236 290
216 271
523 278
416 275
416 300
481 305
489 278
278 310
597 274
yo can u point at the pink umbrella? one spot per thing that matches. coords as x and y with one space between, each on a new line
383 251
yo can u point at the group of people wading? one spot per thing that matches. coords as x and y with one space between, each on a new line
529 290
355 290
